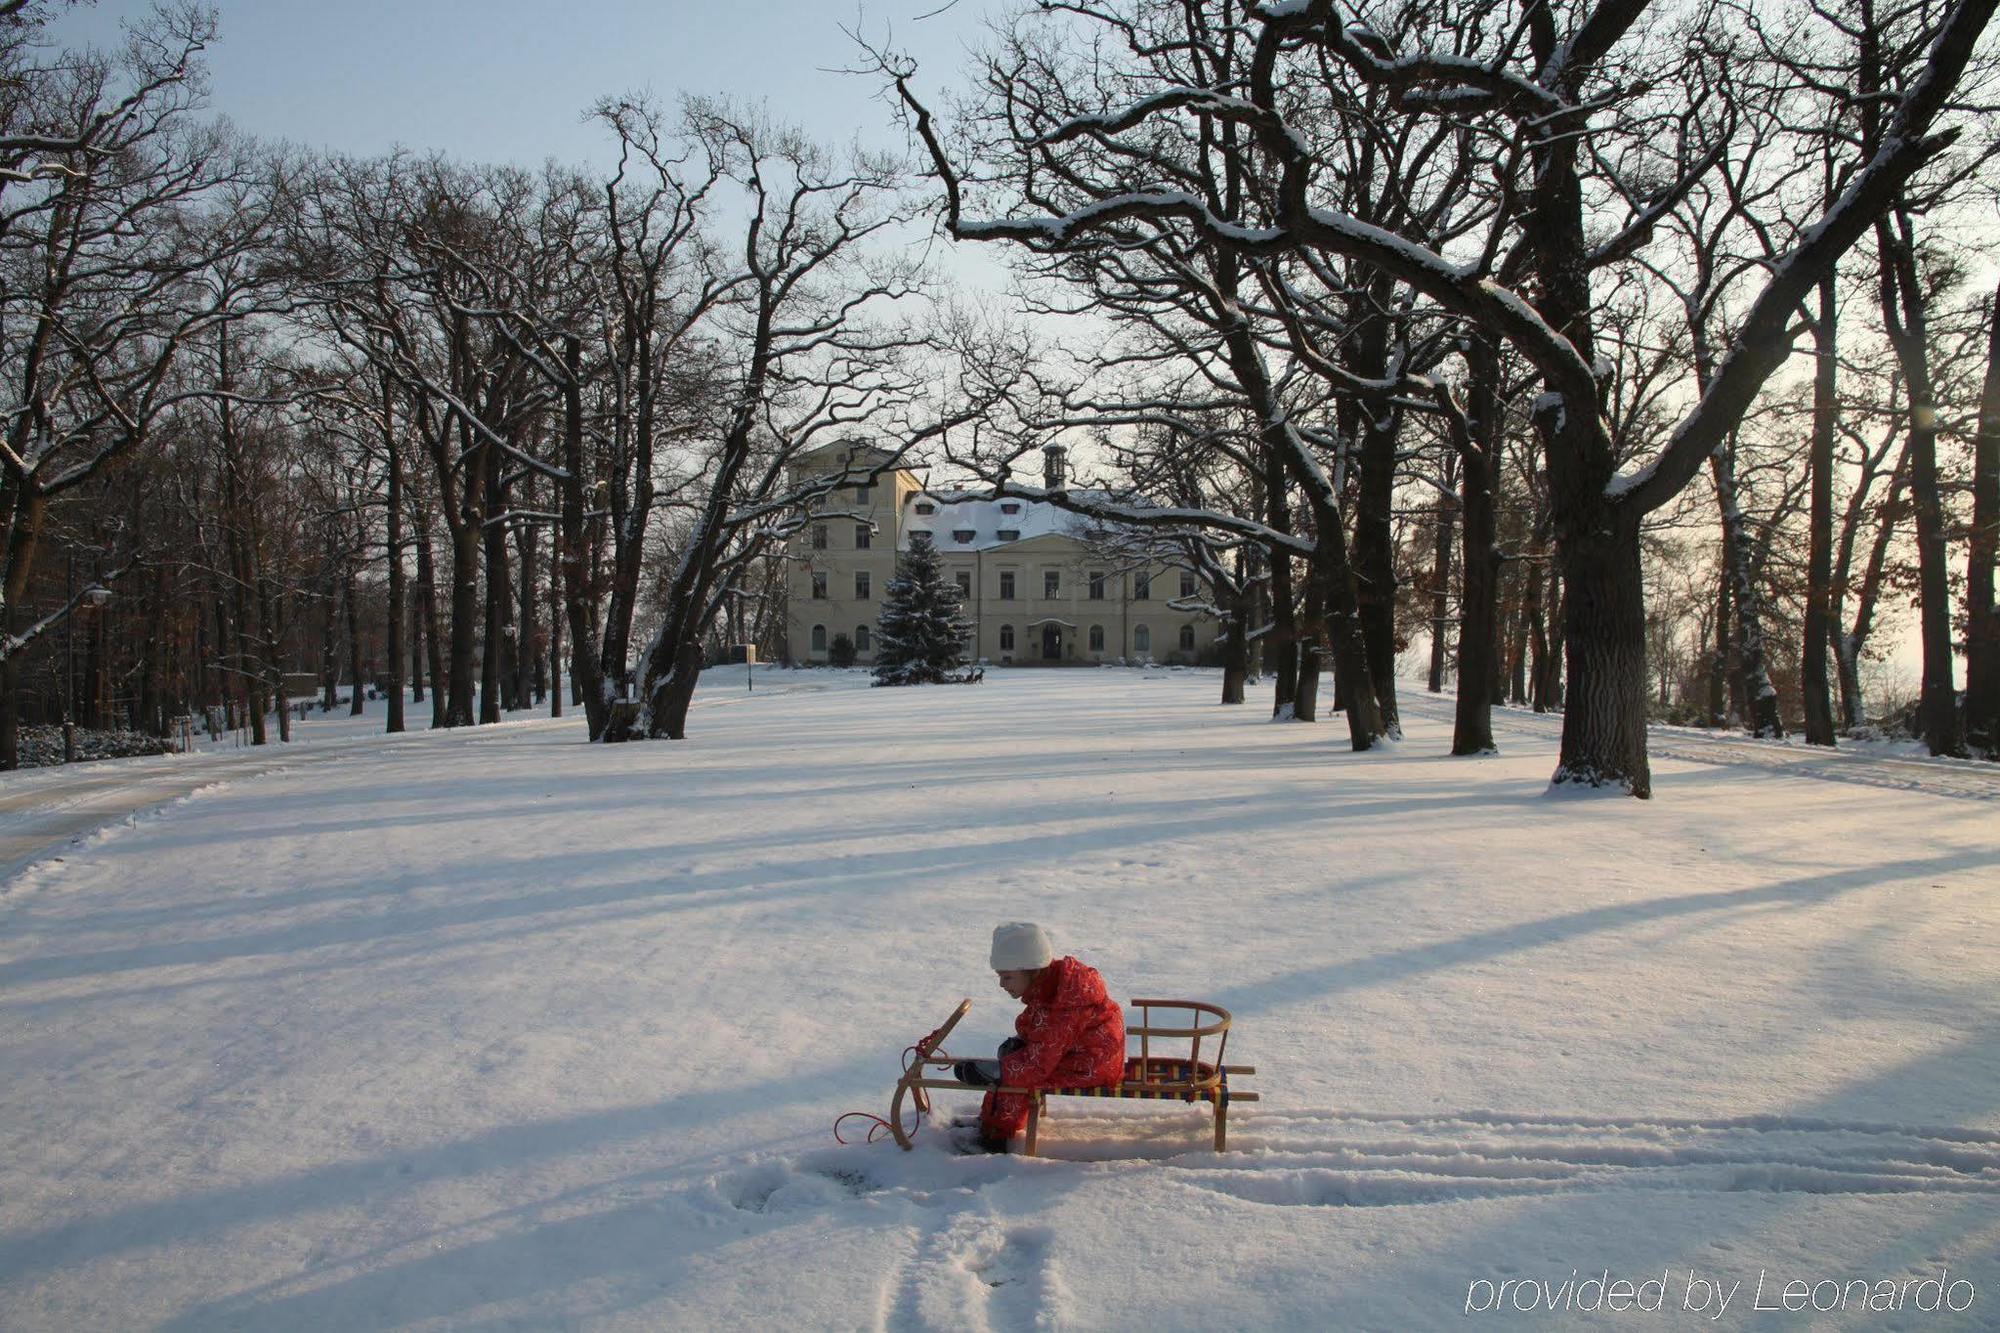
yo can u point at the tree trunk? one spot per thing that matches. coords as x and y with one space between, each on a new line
1604 648
585 662
1758 696
267 610
357 705
1526 604
496 663
458 709
1849 647
1478 612
555 622
1441 579
1374 556
527 651
1982 617
1719 673
1282 651
1813 684
427 597
1547 684
393 625
1235 651
1904 316
329 645
1305 699
1479 557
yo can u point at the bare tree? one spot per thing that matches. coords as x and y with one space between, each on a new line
1556 81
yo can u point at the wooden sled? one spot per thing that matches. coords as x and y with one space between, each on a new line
1167 1075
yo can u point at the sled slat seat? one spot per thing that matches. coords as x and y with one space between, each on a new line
1180 1075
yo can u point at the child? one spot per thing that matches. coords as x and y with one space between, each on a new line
1070 1032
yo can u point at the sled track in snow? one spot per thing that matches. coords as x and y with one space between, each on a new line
1351 1159
1358 1159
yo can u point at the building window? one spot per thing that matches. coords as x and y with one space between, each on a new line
1142 587
1009 534
1097 638
819 638
1142 640
860 585
1187 638
1010 507
961 535
819 536
819 587
862 493
926 507
1006 585
964 577
1096 585
860 638
1006 638
862 532
1187 583
1051 582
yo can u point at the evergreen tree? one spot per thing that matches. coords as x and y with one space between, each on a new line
920 630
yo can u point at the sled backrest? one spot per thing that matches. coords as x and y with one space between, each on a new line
1170 1022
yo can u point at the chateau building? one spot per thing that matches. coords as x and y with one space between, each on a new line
1034 591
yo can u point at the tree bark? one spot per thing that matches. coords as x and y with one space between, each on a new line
1759 697
1547 690
393 646
1604 649
1479 559
1446 515
358 704
585 662
1374 562
1850 644
1982 618
1813 685
1282 643
1235 651
1903 315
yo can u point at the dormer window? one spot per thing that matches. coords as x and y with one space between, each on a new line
961 535
1010 534
1010 507
926 507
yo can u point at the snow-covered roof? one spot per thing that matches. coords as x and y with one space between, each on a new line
985 520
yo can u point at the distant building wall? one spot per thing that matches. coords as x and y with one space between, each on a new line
1045 599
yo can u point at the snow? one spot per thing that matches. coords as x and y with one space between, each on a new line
494 1027
985 520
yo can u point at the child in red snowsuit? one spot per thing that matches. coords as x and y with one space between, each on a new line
1070 1033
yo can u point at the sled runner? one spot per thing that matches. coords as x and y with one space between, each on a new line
1176 1072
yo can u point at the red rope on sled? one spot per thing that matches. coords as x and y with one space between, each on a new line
920 1098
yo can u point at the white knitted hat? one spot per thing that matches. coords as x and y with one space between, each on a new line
1020 946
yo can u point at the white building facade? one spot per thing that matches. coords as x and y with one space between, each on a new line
1033 590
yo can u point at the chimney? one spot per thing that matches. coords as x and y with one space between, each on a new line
1054 468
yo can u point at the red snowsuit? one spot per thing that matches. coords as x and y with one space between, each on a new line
1073 1036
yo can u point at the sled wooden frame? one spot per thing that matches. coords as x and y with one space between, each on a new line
1164 1077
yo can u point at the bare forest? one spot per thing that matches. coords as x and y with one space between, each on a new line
1628 360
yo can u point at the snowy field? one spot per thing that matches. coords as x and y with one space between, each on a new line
498 1029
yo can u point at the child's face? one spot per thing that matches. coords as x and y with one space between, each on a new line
1016 980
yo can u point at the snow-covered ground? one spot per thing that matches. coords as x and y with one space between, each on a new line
497 1028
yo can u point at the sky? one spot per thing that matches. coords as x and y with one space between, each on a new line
511 80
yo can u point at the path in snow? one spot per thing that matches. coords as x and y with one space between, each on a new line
1962 779
42 811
